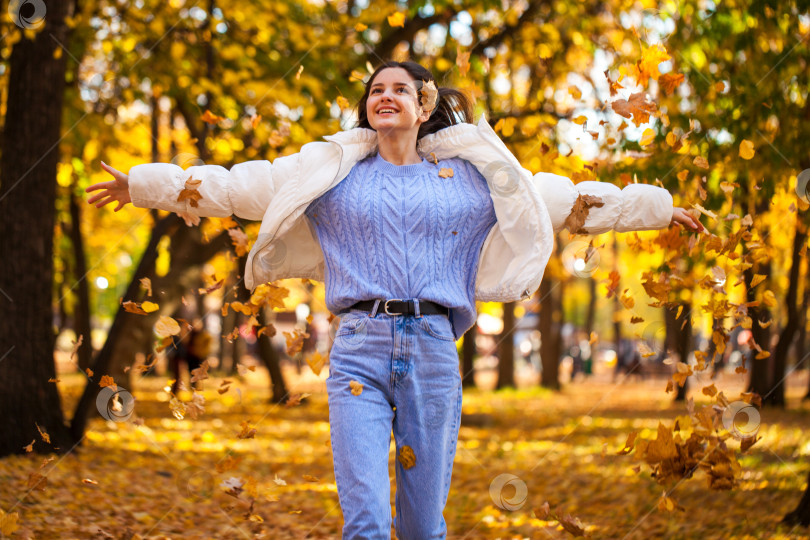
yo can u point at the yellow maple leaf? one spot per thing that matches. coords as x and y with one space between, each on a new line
343 103
701 162
166 326
316 362
648 65
462 61
359 27
397 19
446 172
746 149
648 137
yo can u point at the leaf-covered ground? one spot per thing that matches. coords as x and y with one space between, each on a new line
168 478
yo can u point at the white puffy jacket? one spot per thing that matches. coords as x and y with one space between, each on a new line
529 209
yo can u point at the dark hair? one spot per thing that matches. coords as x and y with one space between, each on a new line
454 107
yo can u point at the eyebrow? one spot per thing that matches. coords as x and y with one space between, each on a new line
395 84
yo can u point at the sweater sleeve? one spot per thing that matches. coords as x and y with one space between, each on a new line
637 207
245 190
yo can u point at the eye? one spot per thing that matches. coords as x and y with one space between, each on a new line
374 91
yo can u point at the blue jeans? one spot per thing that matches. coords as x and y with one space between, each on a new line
409 369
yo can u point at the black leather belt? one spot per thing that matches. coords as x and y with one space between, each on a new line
397 306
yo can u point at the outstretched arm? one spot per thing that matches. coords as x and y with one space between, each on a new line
595 207
202 190
116 190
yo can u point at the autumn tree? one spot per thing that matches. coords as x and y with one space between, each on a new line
30 152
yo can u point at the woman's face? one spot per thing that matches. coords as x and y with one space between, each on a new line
393 102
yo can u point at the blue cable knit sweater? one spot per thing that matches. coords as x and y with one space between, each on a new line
402 231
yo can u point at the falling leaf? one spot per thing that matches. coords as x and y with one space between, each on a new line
89 481
648 65
396 19
575 92
295 341
445 172
462 61
357 388
166 326
746 149
210 118
240 241
247 432
316 362
710 390
106 381
614 85
701 162
360 27
647 137
279 481
593 339
146 283
89 372
43 434
670 81
343 103
406 457
580 120
29 447
637 107
629 444
200 373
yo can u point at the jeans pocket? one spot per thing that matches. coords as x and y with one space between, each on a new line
438 326
351 323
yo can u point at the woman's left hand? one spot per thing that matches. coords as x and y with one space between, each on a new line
684 218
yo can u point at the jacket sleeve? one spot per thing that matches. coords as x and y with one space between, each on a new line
245 190
637 207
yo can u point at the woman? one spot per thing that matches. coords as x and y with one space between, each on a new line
405 245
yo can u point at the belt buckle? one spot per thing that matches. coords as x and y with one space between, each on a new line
385 306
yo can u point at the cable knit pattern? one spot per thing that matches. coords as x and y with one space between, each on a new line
390 231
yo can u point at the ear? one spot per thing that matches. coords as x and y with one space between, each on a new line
424 116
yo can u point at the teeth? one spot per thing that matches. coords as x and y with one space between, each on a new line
385 111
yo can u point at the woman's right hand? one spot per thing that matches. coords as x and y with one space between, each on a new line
116 190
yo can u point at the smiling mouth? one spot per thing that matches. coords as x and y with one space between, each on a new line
382 112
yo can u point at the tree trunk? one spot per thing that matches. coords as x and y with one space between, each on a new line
679 337
549 353
776 394
269 357
81 311
591 315
506 348
760 381
30 153
801 515
468 357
